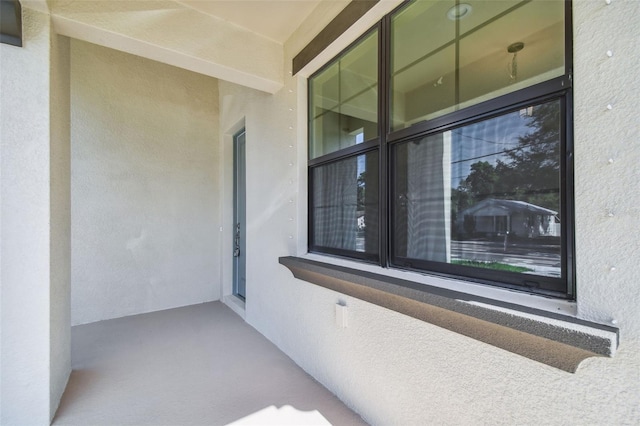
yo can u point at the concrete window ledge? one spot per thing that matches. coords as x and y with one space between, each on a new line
553 339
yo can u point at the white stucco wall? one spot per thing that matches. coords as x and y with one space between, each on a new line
393 369
35 251
144 187
60 222
605 242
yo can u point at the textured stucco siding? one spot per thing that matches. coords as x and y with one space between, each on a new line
145 202
607 246
60 241
35 255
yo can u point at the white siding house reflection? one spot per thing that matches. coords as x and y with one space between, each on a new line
493 217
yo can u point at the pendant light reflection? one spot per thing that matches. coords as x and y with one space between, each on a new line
513 66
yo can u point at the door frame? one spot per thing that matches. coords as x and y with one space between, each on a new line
226 226
239 215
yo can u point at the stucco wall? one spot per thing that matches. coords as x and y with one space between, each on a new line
607 252
35 252
60 241
396 370
144 187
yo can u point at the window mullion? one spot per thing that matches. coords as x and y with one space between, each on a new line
383 119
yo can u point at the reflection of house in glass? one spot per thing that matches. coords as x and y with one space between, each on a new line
493 217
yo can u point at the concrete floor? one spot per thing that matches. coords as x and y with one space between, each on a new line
197 365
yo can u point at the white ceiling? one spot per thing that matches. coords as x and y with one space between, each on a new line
274 19
240 41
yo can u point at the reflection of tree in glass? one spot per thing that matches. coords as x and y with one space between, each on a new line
534 172
483 179
530 172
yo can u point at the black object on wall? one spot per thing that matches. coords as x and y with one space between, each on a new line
11 22
349 15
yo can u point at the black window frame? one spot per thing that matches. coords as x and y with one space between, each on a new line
369 145
558 88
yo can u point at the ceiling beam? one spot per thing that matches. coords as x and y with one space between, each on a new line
177 36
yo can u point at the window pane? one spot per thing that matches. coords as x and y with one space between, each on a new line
486 195
345 204
487 67
423 58
343 100
441 64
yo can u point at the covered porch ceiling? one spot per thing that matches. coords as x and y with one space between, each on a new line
241 41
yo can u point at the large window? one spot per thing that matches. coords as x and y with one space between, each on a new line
440 142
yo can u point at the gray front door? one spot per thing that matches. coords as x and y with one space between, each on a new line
239 215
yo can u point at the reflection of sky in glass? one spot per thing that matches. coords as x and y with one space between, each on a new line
485 141
361 158
362 164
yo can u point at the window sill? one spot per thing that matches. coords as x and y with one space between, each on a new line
557 340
